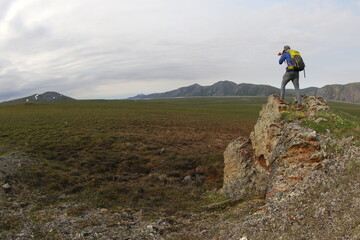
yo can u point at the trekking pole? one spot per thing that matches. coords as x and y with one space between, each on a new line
304 73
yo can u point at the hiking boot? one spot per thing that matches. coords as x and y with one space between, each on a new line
299 107
280 101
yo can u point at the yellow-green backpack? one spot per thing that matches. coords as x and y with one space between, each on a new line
297 63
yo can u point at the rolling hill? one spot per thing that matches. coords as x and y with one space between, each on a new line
39 98
346 93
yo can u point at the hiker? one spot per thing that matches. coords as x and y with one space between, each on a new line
290 75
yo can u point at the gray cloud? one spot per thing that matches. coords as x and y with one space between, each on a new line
120 48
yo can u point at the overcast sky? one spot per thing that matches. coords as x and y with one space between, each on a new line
120 48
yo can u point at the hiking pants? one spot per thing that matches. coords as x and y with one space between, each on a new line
294 77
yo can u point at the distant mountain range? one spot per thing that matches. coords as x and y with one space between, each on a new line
39 98
347 93
336 92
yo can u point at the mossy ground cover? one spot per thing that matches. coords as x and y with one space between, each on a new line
106 153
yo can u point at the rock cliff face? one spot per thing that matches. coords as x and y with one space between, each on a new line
276 156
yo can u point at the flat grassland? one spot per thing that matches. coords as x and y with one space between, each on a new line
133 154
130 154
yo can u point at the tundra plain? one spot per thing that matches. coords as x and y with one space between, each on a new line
162 157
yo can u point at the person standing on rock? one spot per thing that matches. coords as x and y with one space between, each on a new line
290 75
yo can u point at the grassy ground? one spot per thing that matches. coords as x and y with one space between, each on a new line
107 153
343 121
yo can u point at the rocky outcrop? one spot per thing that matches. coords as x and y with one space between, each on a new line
277 155
241 170
310 180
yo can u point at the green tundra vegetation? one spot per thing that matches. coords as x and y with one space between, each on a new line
132 154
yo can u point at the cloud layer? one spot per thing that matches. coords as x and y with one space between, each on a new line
119 48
